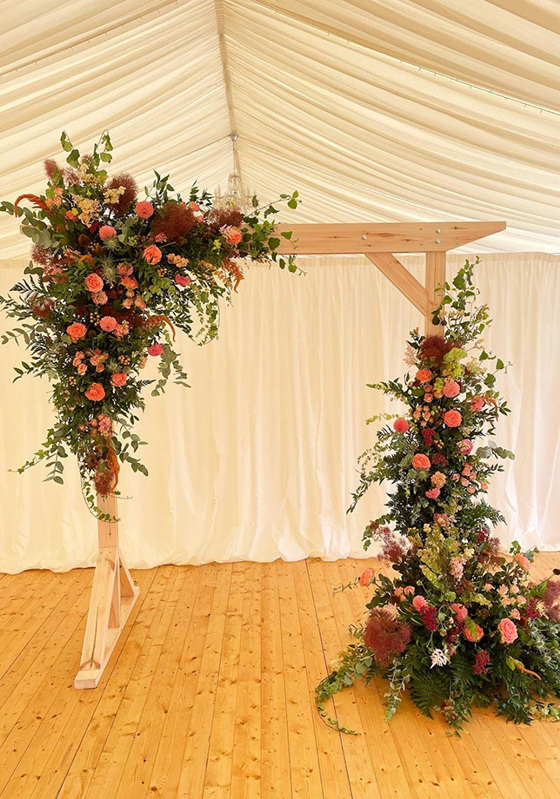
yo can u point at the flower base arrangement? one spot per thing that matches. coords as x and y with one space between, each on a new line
456 623
110 279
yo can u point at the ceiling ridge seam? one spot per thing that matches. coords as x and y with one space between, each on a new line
220 21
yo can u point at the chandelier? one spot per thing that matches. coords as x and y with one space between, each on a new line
236 195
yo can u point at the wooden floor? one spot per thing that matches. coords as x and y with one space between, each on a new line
210 694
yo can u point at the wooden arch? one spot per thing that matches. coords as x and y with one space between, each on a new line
114 593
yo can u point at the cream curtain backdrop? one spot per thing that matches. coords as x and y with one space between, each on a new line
257 460
376 110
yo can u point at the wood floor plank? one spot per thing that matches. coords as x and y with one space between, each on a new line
304 760
275 751
220 752
246 756
168 762
137 770
191 783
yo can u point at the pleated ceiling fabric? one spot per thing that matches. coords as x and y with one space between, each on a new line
376 110
257 460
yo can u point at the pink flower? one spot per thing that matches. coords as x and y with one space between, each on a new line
95 392
408 590
231 234
460 611
93 282
456 567
433 493
118 379
100 298
452 418
182 280
524 562
76 331
366 577
438 479
423 375
107 232
144 209
477 404
124 270
465 446
420 604
421 461
82 368
515 614
451 388
108 324
155 350
152 254
508 631
400 425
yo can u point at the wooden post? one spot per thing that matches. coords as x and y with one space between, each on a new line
112 598
435 280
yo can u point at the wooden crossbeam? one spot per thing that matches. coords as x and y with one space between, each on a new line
112 598
395 237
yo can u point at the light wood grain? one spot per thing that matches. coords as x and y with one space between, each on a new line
209 694
370 237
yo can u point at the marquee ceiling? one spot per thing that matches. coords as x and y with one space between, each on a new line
375 110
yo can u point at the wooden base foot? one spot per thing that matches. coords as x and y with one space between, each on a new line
112 598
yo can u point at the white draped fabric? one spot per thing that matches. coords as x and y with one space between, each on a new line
257 460
376 110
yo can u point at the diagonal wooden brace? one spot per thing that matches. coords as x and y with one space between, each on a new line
112 598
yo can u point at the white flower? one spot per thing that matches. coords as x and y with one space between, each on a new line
439 658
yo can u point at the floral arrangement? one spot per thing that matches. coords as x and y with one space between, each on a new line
455 622
111 276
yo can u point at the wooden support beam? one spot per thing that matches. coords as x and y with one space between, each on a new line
396 237
112 598
435 280
401 278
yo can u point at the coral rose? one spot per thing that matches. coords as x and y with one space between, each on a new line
421 461
400 425
473 632
420 603
155 349
129 283
452 418
95 392
152 254
118 379
108 324
366 577
182 280
93 282
433 493
423 375
508 631
144 209
100 298
477 404
460 611
231 234
107 232
76 330
523 561
451 388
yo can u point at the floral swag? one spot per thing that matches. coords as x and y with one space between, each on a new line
110 279
454 621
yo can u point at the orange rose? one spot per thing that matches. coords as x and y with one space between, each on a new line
118 379
152 254
452 418
423 375
95 392
76 331
93 282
